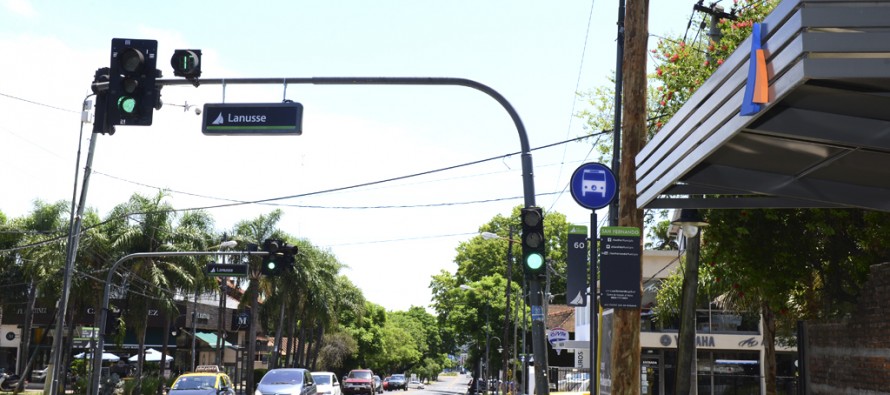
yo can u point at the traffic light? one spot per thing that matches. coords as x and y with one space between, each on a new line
270 265
100 117
280 259
132 90
186 63
533 241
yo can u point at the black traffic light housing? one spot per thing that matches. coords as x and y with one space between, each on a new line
281 257
186 63
100 115
132 90
533 242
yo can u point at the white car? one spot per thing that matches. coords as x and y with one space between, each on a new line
416 384
327 383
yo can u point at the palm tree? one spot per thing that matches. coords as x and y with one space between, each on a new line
256 231
41 262
149 227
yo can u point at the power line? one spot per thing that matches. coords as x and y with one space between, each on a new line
575 92
37 103
337 189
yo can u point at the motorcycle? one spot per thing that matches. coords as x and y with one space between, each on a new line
8 381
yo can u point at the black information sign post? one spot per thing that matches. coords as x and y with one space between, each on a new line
620 267
576 266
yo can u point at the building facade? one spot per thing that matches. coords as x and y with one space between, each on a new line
729 345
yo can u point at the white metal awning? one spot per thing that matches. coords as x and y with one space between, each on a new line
822 140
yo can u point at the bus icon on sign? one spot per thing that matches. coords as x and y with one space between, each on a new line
593 181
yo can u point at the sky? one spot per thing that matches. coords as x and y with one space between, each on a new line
536 54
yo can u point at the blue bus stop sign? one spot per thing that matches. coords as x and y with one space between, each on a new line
593 185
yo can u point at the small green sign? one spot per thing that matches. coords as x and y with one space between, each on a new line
577 229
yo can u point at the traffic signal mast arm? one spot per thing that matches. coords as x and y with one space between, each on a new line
538 337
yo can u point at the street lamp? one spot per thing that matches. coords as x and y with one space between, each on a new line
490 236
689 221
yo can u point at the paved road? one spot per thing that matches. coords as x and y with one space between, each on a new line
447 385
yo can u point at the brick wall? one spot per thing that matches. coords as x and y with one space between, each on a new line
853 356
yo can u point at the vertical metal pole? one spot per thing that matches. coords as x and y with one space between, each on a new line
524 336
594 309
194 327
487 370
219 330
73 241
515 379
539 348
616 127
506 339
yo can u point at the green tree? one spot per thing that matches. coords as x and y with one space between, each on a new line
147 224
465 317
41 263
256 231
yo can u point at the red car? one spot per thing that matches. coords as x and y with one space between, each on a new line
359 382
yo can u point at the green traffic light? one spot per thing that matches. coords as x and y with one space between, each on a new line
271 265
534 261
127 105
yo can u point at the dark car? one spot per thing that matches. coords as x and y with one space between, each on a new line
359 382
398 382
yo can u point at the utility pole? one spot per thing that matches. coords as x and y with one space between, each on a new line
626 328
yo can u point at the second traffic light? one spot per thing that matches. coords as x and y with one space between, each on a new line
281 257
533 241
132 90
186 63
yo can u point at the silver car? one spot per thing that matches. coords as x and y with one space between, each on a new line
294 381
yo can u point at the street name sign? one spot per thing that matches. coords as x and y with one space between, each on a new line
255 119
226 270
620 266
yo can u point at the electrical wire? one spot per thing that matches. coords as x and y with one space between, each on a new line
37 103
575 92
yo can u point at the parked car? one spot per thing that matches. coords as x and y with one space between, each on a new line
360 382
386 383
207 380
415 384
326 383
378 384
295 381
398 382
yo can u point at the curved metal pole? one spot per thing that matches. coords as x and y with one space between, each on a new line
536 299
527 176
103 311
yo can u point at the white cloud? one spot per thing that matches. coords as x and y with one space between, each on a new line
20 7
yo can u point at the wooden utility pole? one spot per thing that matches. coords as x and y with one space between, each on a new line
626 327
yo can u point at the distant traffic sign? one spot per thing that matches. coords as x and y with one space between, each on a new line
226 270
593 185
256 119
